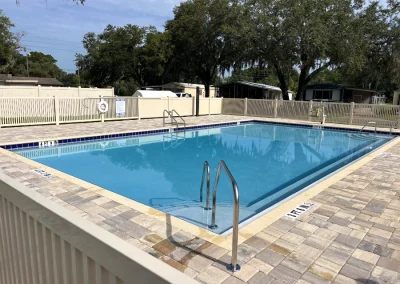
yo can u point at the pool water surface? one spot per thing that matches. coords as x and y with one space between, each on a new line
269 162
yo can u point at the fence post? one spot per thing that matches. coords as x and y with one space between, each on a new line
310 110
138 107
245 106
79 91
38 90
209 105
57 110
194 107
276 108
1 113
168 103
351 113
102 113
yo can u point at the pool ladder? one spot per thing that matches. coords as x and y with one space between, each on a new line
234 266
170 114
369 122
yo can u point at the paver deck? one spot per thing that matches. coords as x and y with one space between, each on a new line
352 236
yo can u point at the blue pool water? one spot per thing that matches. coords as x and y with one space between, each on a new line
269 163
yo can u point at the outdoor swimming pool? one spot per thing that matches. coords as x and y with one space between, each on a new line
270 162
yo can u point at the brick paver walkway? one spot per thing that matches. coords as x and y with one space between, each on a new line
353 236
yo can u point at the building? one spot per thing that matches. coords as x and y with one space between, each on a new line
396 96
340 93
187 88
249 90
9 80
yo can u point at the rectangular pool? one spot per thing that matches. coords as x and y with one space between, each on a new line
270 162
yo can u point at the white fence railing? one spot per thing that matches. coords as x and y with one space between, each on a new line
340 113
33 111
45 110
42 242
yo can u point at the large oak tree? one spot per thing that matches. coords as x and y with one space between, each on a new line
206 36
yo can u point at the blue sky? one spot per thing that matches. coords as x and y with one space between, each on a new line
57 27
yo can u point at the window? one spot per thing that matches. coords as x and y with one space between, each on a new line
323 95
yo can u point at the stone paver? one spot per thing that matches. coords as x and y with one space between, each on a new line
353 236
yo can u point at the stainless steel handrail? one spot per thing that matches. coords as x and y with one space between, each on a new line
393 124
368 122
205 168
184 122
171 116
235 228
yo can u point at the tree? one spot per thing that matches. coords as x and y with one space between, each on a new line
9 43
380 68
124 57
40 65
309 35
205 35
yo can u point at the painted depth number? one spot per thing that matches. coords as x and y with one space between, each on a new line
48 143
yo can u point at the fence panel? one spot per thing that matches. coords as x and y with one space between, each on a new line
264 108
131 108
337 112
383 115
293 110
22 111
233 106
42 242
184 106
152 107
78 109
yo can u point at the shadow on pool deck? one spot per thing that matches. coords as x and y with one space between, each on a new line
191 247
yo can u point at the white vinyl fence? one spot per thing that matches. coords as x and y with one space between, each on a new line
16 111
42 242
340 113
57 110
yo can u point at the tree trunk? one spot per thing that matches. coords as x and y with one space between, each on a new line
207 89
305 78
301 86
282 82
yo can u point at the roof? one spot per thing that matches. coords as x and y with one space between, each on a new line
154 94
256 85
189 85
339 86
261 86
8 79
183 85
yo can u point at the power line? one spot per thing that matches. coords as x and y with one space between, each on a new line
48 47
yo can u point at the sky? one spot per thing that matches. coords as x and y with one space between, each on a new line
58 26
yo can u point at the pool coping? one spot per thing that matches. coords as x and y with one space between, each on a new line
245 232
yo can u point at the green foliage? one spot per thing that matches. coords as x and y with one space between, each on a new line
123 57
40 65
8 43
309 35
205 35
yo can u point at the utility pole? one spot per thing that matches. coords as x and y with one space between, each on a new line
27 63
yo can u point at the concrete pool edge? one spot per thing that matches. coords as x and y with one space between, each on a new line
247 230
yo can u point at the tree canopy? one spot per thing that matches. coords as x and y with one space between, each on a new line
9 43
40 65
205 35
288 43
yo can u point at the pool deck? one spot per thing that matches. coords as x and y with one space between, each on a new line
351 235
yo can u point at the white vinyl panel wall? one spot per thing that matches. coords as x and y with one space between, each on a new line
41 243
